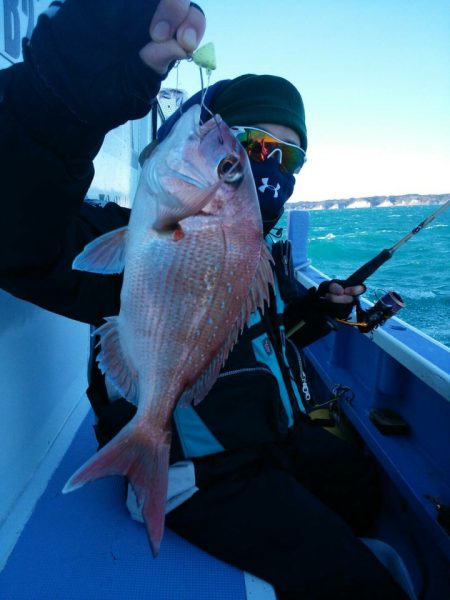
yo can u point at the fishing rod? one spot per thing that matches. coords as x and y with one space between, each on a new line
391 302
369 268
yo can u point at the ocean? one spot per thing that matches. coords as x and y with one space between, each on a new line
340 241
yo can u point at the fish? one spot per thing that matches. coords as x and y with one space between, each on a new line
195 267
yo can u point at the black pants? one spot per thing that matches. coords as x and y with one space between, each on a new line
290 514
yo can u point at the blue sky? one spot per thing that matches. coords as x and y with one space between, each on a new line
374 76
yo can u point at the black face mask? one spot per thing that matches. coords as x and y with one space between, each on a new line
274 187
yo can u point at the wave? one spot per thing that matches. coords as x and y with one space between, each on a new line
418 271
419 294
328 236
436 225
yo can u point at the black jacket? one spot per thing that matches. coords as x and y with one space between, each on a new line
55 109
51 128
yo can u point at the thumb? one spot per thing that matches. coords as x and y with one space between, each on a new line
159 56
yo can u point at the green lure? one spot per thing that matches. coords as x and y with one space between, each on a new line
205 57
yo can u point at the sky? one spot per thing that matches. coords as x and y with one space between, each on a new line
374 76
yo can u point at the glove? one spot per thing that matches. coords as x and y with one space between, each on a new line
86 53
332 309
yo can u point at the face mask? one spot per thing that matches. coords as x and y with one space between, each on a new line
274 188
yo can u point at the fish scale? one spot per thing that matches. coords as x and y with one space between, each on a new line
177 325
195 267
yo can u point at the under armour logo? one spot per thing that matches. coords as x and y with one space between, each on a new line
265 186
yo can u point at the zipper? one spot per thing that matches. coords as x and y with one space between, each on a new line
285 257
277 346
246 370
285 265
305 388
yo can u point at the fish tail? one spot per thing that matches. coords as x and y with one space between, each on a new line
144 460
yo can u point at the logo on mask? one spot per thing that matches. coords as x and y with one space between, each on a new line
266 186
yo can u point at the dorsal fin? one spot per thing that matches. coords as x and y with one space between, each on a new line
257 296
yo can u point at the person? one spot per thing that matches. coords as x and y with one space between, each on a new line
275 495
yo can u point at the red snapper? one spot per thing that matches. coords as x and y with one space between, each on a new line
195 267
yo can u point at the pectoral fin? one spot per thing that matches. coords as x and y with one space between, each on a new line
169 214
105 255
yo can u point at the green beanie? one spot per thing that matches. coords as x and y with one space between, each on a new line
251 99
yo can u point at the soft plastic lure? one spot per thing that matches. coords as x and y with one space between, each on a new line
205 57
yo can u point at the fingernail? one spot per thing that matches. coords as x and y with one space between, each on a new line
161 32
189 38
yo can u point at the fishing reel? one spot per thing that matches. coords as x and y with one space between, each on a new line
385 307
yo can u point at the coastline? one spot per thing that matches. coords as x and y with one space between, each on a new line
370 202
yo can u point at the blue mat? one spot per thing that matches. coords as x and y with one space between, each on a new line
84 546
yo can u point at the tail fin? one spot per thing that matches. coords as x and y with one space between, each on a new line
144 460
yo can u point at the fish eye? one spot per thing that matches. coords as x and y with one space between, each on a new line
230 169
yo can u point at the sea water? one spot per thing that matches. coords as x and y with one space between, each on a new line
340 241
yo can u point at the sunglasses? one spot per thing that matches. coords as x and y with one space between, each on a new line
260 145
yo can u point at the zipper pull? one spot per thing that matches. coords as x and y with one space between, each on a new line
285 265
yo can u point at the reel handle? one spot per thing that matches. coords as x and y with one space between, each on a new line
367 269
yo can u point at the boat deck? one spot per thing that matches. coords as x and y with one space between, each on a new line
84 546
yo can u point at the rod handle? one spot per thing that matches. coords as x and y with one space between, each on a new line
368 269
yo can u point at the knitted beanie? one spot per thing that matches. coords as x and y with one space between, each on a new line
251 99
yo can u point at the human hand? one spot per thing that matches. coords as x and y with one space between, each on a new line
333 291
336 300
176 30
96 62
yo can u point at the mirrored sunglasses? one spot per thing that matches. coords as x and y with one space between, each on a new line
260 145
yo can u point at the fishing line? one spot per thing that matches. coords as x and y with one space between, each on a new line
203 105
202 86
205 58
177 85
204 92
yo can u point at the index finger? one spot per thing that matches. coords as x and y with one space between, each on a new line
191 30
167 18
355 290
336 288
